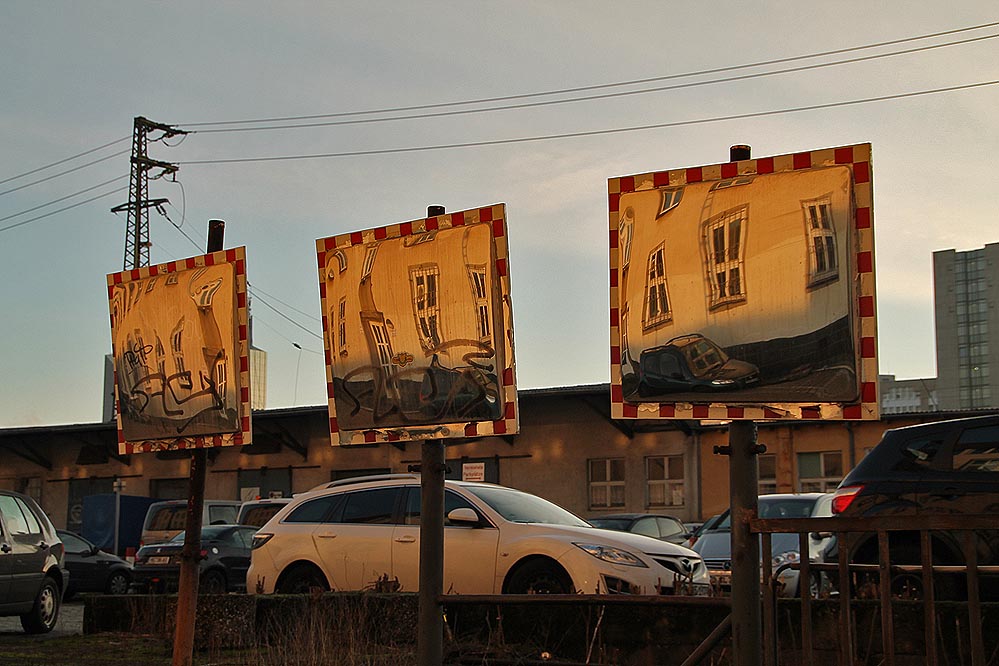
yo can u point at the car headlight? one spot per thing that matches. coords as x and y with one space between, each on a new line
722 382
611 554
790 557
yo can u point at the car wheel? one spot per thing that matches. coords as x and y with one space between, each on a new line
540 577
212 582
118 583
44 614
303 579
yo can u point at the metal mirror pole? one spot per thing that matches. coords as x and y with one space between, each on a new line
747 627
430 639
743 475
187 586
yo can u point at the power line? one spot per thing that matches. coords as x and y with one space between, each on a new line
63 173
55 201
287 305
284 316
64 160
571 135
603 86
589 98
34 219
282 335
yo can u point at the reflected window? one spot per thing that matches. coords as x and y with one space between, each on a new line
724 250
657 306
426 306
821 234
477 276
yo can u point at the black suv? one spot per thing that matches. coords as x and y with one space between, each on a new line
32 579
948 467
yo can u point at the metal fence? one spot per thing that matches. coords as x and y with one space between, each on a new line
889 586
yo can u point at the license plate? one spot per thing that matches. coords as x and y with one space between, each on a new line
159 559
721 579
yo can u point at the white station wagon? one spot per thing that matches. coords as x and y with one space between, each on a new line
362 533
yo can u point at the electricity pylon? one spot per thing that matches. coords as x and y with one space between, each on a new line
137 233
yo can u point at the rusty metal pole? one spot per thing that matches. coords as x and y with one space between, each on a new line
190 558
747 628
430 638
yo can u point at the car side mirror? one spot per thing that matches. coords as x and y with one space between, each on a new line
464 517
819 536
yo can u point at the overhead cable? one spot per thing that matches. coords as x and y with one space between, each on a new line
64 160
63 173
570 135
65 208
654 79
590 98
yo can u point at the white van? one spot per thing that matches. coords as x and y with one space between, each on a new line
167 519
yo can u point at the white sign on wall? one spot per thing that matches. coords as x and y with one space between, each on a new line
475 471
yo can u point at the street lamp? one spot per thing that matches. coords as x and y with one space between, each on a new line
298 367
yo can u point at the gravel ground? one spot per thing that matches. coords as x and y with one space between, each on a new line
70 622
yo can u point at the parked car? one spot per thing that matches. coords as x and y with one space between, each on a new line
363 533
715 544
707 525
654 525
166 519
32 577
692 363
259 511
948 467
225 557
91 569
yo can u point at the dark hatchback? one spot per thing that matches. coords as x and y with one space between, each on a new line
664 528
32 578
692 363
948 467
225 558
93 570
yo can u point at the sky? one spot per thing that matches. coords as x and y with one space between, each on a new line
75 75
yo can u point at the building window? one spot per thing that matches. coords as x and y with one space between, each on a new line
819 472
477 275
606 483
665 479
341 260
724 249
657 309
767 466
821 233
424 281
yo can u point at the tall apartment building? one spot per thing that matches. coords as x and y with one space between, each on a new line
966 309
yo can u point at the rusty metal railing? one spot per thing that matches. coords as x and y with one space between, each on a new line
848 532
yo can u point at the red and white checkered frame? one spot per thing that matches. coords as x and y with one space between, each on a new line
237 257
495 215
858 158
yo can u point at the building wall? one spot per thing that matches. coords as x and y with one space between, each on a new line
562 431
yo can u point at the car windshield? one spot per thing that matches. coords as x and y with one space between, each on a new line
790 507
619 524
520 507
703 356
